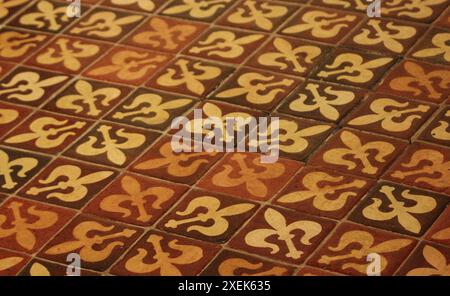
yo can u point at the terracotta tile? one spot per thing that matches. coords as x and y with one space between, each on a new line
230 263
444 20
5 68
18 45
323 192
46 133
399 208
282 235
390 116
151 109
312 271
11 116
190 77
127 65
244 175
225 45
440 231
320 24
358 153
206 12
208 217
146 6
99 243
38 267
255 89
112 144
354 68
417 80
433 47
26 226
18 167
165 34
347 250
135 200
9 7
68 183
87 98
163 254
288 56
160 161
437 131
423 165
11 262
427 260
30 86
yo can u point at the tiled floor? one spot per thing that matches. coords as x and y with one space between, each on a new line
85 159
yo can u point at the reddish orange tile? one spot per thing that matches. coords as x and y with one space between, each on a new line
11 116
11 262
17 45
440 231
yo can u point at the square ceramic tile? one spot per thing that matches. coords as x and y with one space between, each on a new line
18 45
433 47
207 11
427 260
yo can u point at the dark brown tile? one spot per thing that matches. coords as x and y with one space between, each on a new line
146 6
427 260
438 130
38 267
17 45
9 7
440 231
433 48
11 116
207 11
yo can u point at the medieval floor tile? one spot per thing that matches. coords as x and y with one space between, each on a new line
417 80
433 48
444 20
29 86
158 253
282 235
135 200
322 101
11 116
312 271
440 231
5 68
427 260
395 117
26 225
438 130
68 183
99 243
208 217
319 24
255 89
249 176
207 12
146 6
151 109
323 192
9 7
11 262
112 144
288 56
87 98
423 165
165 34
17 45
347 250
38 267
400 209
230 263
358 153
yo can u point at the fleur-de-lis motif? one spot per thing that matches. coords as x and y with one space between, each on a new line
105 24
249 12
322 24
130 65
358 151
287 55
8 167
389 40
8 116
74 186
17 44
366 245
232 266
283 232
440 41
47 132
150 109
198 8
110 144
69 57
165 262
10 262
28 86
89 246
224 44
214 216
258 88
436 259
47 13
184 74
5 5
22 228
417 9
363 70
137 198
418 77
322 103
87 99
441 131
359 4
398 210
248 175
389 113
147 5
318 194
437 173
